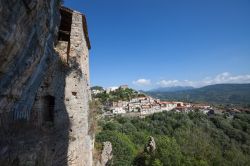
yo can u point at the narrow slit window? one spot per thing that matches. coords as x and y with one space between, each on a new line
49 105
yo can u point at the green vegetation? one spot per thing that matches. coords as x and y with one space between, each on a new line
97 88
95 108
192 139
119 94
238 94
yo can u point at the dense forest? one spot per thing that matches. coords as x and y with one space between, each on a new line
192 139
215 94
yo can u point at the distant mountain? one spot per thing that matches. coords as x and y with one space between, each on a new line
216 94
172 89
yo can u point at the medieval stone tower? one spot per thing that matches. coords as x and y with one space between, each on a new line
44 85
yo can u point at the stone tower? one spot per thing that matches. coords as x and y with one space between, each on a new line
44 85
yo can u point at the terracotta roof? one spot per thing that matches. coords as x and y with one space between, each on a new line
166 102
181 107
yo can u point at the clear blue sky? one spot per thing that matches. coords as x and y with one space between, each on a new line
166 40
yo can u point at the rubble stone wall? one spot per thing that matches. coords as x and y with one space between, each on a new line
44 87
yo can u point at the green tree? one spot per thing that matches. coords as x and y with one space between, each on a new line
157 162
168 151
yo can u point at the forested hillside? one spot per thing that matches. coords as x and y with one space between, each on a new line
119 94
192 139
215 94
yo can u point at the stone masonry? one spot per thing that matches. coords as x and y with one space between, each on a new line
44 85
77 95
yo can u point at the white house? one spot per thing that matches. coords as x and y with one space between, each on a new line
167 106
118 110
111 89
179 104
96 91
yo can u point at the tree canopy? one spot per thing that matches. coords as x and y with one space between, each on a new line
191 139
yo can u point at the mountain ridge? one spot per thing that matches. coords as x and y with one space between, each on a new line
216 94
171 89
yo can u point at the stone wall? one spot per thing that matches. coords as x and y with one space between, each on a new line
44 86
77 94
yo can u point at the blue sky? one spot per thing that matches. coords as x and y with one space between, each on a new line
152 43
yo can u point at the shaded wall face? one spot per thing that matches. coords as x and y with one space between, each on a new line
68 83
27 33
47 88
32 85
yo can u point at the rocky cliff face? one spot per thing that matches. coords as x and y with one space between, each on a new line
106 155
28 31
44 84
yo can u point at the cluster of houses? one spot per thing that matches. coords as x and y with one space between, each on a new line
148 105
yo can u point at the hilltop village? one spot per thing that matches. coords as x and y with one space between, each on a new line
123 100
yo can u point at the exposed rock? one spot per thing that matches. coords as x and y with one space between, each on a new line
106 155
26 47
151 146
41 87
